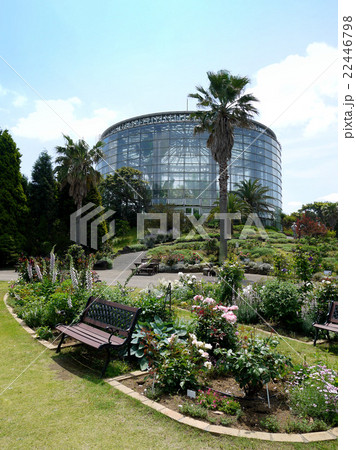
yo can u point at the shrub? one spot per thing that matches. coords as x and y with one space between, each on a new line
281 302
255 363
215 323
181 365
230 276
211 246
306 263
249 303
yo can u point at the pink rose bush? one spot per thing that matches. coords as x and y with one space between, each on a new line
216 323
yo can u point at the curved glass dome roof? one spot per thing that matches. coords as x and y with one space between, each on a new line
178 165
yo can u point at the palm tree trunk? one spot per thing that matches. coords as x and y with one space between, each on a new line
77 233
223 177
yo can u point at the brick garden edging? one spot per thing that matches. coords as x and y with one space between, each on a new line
331 434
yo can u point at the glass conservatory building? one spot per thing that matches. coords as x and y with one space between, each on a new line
178 165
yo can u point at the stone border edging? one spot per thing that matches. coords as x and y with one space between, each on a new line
218 429
331 434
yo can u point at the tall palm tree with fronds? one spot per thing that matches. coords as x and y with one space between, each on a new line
75 166
255 196
225 106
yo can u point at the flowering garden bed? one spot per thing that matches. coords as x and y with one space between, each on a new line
260 388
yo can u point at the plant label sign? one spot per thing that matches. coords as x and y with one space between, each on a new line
191 394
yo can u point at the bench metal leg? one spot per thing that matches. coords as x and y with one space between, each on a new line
106 362
316 336
60 343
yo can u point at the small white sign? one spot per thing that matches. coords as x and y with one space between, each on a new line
191 394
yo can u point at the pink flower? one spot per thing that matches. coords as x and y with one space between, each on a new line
222 308
230 317
233 308
198 298
208 300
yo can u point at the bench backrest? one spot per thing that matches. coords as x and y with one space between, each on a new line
333 313
103 313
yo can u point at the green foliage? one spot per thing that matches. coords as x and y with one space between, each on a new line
314 393
195 411
230 276
44 304
75 166
181 365
305 426
44 333
281 302
149 336
13 202
281 267
211 246
216 402
271 424
215 323
126 193
42 200
254 363
306 263
249 304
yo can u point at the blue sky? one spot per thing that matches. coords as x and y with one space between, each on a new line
95 63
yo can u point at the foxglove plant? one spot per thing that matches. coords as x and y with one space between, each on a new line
29 271
38 272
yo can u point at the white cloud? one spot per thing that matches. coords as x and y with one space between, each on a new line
53 118
20 100
334 197
300 91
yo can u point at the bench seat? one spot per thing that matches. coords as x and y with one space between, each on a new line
89 335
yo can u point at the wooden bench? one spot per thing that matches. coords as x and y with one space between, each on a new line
146 268
103 325
331 323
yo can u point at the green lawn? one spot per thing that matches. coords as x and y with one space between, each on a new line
52 402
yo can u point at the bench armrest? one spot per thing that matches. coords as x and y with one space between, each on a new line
110 330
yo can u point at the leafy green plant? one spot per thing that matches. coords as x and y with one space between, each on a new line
195 411
314 393
255 363
150 337
281 301
306 263
230 277
271 424
181 364
212 400
226 421
215 323
305 426
44 333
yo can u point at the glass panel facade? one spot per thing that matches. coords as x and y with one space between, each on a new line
179 166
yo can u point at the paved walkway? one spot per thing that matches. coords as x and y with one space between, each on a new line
122 270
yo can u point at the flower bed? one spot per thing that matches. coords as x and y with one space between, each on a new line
251 413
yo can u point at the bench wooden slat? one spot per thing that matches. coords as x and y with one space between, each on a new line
331 323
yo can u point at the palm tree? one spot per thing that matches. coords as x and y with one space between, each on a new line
75 166
255 196
234 205
225 106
